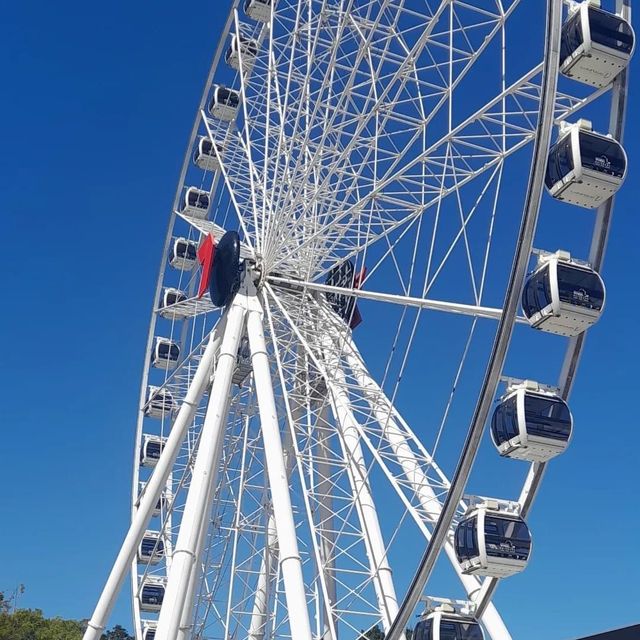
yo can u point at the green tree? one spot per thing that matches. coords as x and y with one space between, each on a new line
375 633
30 624
117 633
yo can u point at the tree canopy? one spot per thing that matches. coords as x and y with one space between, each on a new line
31 624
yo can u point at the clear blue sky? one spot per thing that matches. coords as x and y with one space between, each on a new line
96 111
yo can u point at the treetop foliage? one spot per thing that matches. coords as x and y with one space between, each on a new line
30 624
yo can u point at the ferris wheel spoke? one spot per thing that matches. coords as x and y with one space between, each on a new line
365 115
442 101
511 124
425 118
475 311
301 115
338 111
247 145
234 188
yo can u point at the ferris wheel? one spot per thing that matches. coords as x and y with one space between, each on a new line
368 320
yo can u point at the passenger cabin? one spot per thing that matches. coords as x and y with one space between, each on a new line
151 549
166 353
243 362
444 625
149 630
596 45
531 423
563 296
258 10
224 103
585 168
159 402
491 540
184 254
162 504
242 50
152 594
151 449
205 155
170 298
195 203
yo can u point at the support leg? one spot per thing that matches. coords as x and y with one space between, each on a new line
152 492
186 622
203 476
365 505
290 561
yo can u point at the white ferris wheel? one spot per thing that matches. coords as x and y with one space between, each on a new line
359 254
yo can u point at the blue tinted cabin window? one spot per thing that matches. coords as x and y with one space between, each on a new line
173 298
423 630
536 294
246 46
154 449
185 250
234 99
152 594
168 350
601 154
504 423
547 417
470 631
572 36
198 199
227 97
207 147
150 635
459 542
560 162
506 538
448 630
466 539
459 630
151 545
610 31
580 287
